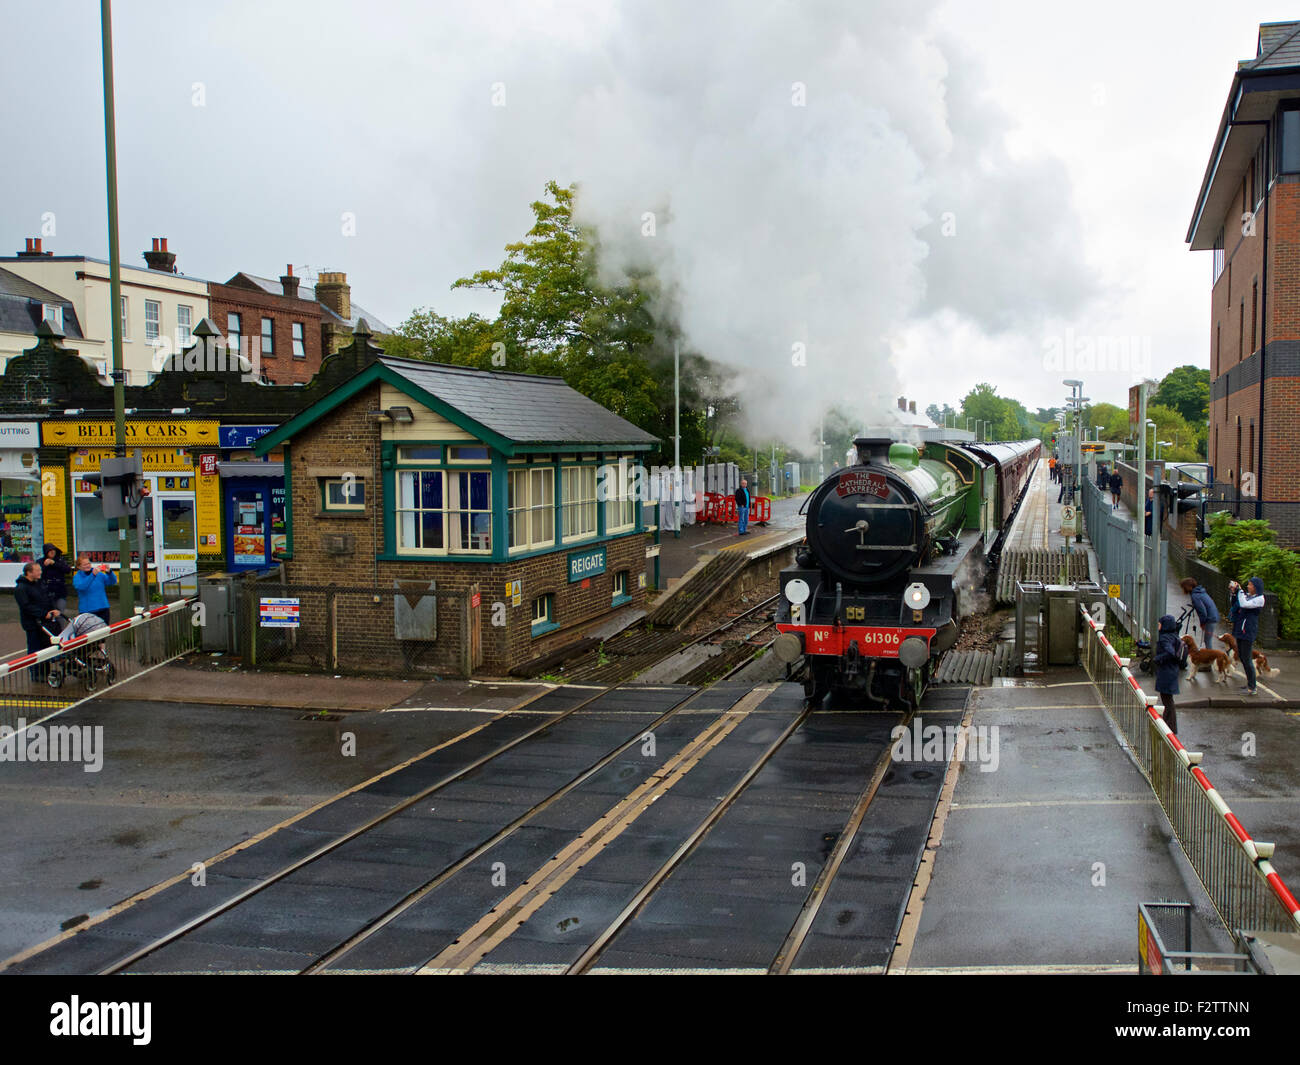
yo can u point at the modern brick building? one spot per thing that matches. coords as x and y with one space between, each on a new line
414 471
1248 214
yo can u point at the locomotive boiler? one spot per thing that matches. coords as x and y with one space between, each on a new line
899 548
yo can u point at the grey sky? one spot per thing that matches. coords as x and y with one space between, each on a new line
1065 147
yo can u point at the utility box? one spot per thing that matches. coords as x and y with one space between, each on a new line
792 481
1062 620
215 596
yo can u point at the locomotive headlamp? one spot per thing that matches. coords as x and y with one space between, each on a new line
797 591
917 596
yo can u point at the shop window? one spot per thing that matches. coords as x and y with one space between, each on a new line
532 508
17 497
579 502
544 614
343 494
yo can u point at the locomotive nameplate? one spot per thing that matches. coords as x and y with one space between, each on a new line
861 483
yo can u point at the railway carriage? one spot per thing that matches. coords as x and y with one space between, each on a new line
899 549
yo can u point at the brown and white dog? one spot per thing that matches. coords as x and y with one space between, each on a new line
1258 657
1216 662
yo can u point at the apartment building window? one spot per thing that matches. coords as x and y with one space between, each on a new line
1218 346
268 336
52 313
152 321
1254 313
183 317
1218 257
126 335
234 331
1241 330
299 342
1261 174
1288 142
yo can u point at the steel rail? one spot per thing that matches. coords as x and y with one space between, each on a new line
593 952
794 941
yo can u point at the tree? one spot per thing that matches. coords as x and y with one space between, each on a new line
1186 390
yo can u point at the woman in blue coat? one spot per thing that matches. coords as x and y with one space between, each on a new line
1247 605
1168 655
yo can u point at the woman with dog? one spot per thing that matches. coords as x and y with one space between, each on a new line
1245 624
1206 612
1168 665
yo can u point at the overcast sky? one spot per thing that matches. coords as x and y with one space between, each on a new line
910 196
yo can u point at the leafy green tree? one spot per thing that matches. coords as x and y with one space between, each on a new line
1248 548
1186 390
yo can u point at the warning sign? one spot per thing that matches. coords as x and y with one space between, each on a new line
278 614
1113 591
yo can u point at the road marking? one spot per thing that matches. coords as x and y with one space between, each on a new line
1100 969
1052 802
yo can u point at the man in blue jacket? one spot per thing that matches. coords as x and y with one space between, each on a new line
1246 609
90 582
742 507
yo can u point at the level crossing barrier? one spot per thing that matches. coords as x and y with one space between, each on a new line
59 675
1246 890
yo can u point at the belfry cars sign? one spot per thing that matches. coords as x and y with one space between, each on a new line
144 432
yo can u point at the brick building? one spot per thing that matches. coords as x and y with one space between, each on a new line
285 327
510 483
1248 214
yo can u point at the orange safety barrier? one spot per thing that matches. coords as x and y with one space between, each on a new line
720 509
760 511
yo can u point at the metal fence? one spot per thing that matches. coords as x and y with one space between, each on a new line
418 629
1117 542
58 676
1245 889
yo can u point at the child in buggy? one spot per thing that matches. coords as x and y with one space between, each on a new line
88 661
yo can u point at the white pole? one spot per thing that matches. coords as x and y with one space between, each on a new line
677 407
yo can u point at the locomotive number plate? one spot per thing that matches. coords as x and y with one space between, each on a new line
873 642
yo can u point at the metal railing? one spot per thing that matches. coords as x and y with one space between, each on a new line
56 677
1245 889
1117 540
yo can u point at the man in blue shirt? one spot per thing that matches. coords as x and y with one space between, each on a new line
742 507
90 582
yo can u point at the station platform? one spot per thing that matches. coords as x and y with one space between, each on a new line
1043 860
679 554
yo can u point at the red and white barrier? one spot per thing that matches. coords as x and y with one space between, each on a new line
54 650
1259 853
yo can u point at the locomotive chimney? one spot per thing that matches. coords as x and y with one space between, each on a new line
902 403
911 407
873 450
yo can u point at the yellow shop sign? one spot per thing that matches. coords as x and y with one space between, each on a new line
139 432
154 458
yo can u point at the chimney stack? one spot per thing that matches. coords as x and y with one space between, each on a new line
160 258
333 290
902 403
911 407
33 250
289 282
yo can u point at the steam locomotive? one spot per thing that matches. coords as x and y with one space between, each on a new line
899 548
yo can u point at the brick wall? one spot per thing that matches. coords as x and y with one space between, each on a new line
349 439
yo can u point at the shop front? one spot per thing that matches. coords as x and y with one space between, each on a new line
20 498
182 511
254 499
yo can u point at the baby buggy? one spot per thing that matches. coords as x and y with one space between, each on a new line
89 661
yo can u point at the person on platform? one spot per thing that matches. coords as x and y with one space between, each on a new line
742 507
91 581
1206 612
1151 495
36 610
1051 466
1116 486
1168 665
1247 605
54 572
